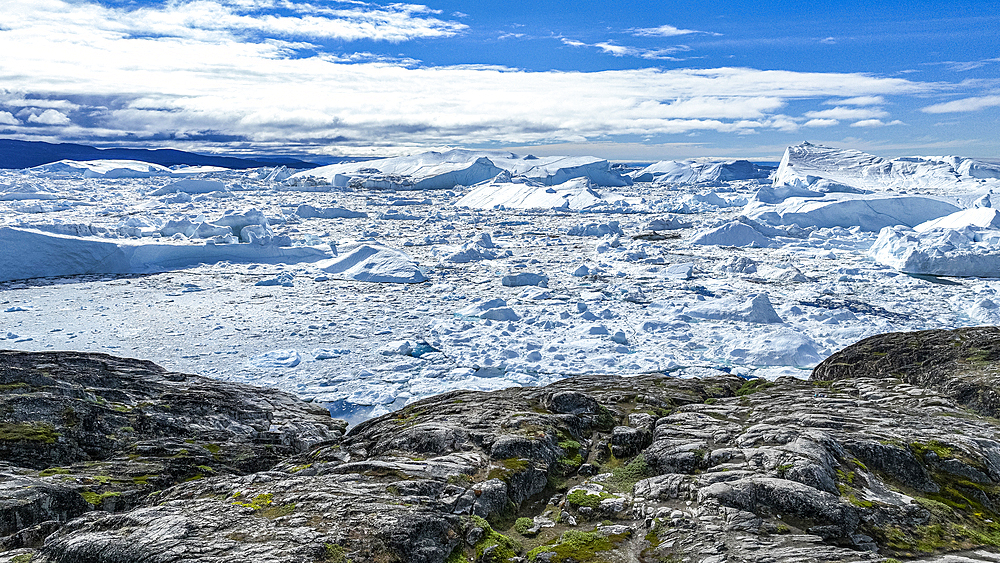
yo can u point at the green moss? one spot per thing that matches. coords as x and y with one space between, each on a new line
212 448
845 476
143 479
605 420
783 469
333 553
859 502
938 537
23 558
623 478
53 471
572 460
752 386
574 546
97 498
257 503
508 467
711 401
457 556
942 450
12 387
506 548
522 525
103 479
28 432
581 497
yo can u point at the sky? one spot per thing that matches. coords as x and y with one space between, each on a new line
623 80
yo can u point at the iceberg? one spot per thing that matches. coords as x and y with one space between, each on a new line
696 171
573 195
374 263
829 169
458 167
965 252
30 253
191 186
101 169
870 213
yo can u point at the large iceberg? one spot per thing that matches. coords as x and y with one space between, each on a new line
828 169
445 170
102 169
575 194
30 253
870 213
700 171
967 251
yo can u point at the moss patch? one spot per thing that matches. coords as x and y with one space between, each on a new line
942 450
97 498
752 386
581 497
30 432
508 467
506 548
624 477
575 546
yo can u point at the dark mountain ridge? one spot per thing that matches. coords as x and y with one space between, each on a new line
27 154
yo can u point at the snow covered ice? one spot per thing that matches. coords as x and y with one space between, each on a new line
368 285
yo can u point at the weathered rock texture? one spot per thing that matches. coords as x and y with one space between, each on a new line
858 466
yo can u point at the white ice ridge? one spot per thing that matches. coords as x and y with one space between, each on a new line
501 192
869 212
458 167
102 169
700 170
829 169
29 253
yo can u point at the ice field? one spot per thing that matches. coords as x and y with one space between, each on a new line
365 286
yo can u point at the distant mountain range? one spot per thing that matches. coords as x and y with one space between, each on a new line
26 154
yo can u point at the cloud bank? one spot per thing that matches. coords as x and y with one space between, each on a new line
253 72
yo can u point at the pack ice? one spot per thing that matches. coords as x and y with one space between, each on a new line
364 286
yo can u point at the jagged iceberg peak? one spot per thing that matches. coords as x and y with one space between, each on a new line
830 169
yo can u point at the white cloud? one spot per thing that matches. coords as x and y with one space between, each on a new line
40 103
218 20
651 54
965 104
626 51
821 123
663 31
858 101
7 118
49 117
199 82
842 113
875 123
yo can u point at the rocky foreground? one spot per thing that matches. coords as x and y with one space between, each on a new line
890 451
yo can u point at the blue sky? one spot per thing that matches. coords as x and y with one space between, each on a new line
623 80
